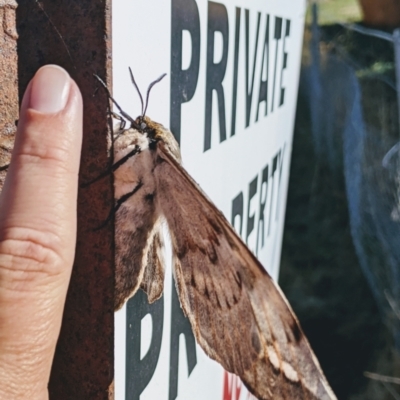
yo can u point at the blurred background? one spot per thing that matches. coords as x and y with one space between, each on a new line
341 249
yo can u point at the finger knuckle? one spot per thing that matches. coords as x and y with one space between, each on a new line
26 259
57 158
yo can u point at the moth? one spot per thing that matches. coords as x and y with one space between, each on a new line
238 314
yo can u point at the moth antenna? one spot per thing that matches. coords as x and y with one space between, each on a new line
123 113
148 92
136 87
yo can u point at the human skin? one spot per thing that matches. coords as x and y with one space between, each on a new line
38 231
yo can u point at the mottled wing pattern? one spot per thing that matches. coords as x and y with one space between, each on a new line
153 278
238 314
135 234
137 223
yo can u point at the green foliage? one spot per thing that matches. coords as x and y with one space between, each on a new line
332 11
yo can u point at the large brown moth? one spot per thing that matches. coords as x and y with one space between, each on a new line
238 314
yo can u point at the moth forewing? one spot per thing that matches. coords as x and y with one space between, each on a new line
136 216
239 316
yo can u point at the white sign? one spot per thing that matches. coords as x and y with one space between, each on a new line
229 97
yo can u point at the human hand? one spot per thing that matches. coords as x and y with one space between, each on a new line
38 231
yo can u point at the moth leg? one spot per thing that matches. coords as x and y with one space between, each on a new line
119 118
122 124
4 167
117 135
118 204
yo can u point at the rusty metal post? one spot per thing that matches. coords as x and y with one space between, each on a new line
76 34
396 44
381 13
8 82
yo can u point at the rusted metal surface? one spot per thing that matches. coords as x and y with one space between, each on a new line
8 82
381 13
76 35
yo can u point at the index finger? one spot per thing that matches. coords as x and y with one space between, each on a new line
38 228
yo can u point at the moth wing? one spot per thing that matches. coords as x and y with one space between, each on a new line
137 243
153 277
238 314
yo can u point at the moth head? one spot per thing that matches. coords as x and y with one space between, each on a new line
152 131
141 124
157 132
